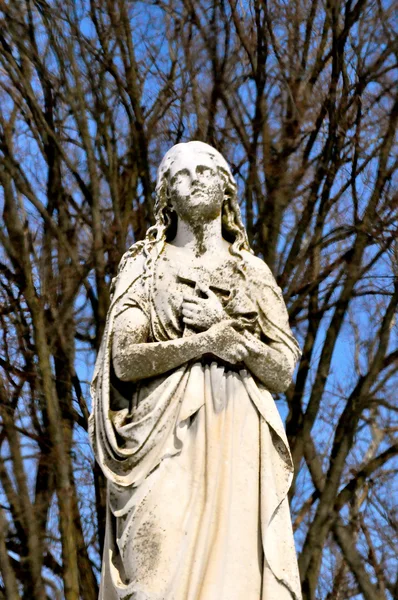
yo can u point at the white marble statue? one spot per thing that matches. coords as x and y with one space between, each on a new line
184 426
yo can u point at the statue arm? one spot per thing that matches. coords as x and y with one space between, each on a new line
135 359
273 364
273 357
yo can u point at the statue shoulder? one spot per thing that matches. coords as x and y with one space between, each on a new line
134 258
257 269
131 267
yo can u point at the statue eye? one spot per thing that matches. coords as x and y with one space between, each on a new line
202 170
178 176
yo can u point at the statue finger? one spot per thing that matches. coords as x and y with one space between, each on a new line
190 306
250 343
191 299
189 321
241 352
203 289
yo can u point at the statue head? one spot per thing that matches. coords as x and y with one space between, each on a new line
195 156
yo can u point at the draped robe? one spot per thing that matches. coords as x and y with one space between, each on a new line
197 460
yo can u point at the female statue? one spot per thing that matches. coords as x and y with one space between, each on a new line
184 426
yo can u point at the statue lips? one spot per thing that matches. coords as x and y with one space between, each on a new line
198 191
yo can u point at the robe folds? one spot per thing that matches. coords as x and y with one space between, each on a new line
197 461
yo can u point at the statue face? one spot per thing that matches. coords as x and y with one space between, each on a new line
196 186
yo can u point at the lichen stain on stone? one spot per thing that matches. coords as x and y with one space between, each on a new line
147 547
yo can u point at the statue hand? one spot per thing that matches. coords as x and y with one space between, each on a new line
225 342
202 313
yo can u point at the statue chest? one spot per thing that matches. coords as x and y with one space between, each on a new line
173 280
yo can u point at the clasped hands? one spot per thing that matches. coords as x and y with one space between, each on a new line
223 336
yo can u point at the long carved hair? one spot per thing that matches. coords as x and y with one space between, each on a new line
165 226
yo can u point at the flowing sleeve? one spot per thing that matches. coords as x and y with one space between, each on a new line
131 430
127 290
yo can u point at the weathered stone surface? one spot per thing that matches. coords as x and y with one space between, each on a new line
183 424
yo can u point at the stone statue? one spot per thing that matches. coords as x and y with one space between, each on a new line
184 426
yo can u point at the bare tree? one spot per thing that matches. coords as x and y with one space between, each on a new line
301 98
